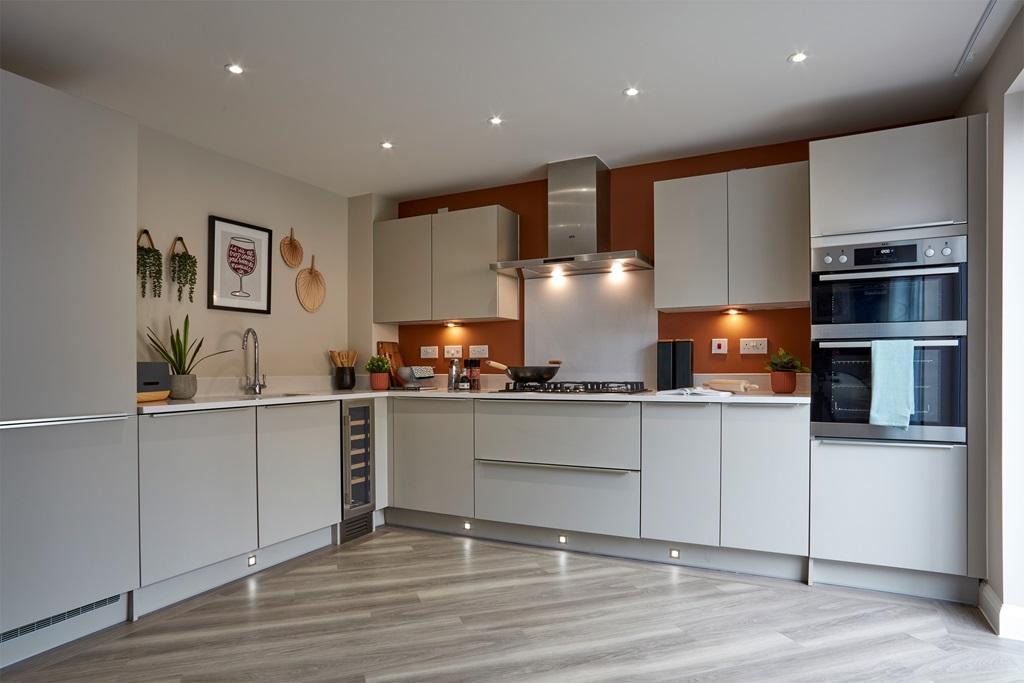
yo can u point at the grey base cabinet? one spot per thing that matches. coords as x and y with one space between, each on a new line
68 517
681 475
197 489
889 504
591 500
765 477
432 448
299 469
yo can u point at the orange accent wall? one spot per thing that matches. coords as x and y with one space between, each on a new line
632 227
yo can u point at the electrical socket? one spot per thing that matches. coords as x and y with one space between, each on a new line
453 351
754 346
719 346
428 352
479 351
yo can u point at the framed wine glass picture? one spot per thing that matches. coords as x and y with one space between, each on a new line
238 273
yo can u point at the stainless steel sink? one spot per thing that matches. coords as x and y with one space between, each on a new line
253 397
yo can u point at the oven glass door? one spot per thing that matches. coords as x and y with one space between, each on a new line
899 295
841 390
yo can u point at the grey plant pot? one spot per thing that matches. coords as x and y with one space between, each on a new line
183 386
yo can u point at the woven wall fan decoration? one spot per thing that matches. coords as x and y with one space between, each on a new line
311 287
291 250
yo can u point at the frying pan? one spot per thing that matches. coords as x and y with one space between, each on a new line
528 373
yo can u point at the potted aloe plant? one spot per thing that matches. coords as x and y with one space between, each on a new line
380 377
784 367
182 356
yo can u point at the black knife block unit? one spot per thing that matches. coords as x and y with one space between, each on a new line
675 364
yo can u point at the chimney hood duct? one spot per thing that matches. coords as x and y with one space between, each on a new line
579 227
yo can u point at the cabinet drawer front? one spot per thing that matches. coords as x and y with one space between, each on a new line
681 474
890 505
68 517
564 498
197 489
587 434
299 466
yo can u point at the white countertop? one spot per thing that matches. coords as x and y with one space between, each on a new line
222 402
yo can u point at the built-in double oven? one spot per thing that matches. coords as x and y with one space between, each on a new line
906 289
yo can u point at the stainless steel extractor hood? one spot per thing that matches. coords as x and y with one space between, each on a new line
578 226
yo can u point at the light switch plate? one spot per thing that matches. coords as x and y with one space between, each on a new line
479 351
452 351
428 352
719 346
757 345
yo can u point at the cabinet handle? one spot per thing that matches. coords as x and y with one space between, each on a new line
889 444
877 274
866 344
750 404
545 465
56 421
561 400
199 410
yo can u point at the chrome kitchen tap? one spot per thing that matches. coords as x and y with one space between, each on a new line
257 383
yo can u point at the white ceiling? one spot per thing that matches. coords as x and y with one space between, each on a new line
327 81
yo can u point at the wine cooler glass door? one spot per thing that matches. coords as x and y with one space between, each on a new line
358 461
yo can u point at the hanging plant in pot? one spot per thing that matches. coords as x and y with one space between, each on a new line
784 367
380 375
149 264
183 269
182 356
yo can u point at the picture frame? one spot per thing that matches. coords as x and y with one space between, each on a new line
239 266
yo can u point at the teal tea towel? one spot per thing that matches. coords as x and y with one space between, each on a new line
892 382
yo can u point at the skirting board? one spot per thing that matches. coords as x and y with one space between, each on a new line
164 593
886 579
1006 620
50 637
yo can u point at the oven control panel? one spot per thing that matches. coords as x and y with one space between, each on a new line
896 254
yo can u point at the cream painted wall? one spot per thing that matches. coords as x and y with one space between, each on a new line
180 185
988 95
364 334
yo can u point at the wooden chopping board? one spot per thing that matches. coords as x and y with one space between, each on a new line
390 351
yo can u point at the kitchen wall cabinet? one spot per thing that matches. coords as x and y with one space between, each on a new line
197 489
432 451
298 469
438 267
890 504
896 178
465 243
68 177
68 517
575 433
769 249
765 477
592 500
736 238
691 242
402 270
681 475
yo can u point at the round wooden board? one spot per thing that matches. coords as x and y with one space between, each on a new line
310 287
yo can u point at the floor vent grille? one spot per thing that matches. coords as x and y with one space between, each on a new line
13 633
356 527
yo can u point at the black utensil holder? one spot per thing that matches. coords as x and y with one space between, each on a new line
344 378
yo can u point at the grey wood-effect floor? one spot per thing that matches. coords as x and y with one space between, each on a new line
404 605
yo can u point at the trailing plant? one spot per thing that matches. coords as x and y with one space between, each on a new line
781 361
378 364
183 272
149 265
181 355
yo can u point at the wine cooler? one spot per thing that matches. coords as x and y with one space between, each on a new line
357 458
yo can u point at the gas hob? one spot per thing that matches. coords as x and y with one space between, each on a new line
575 387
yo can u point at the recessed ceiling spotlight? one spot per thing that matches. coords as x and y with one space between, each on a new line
495 120
797 57
631 91
235 69
386 145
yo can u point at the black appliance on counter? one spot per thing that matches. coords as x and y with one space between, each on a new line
675 364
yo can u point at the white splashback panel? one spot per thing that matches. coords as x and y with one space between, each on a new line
602 326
